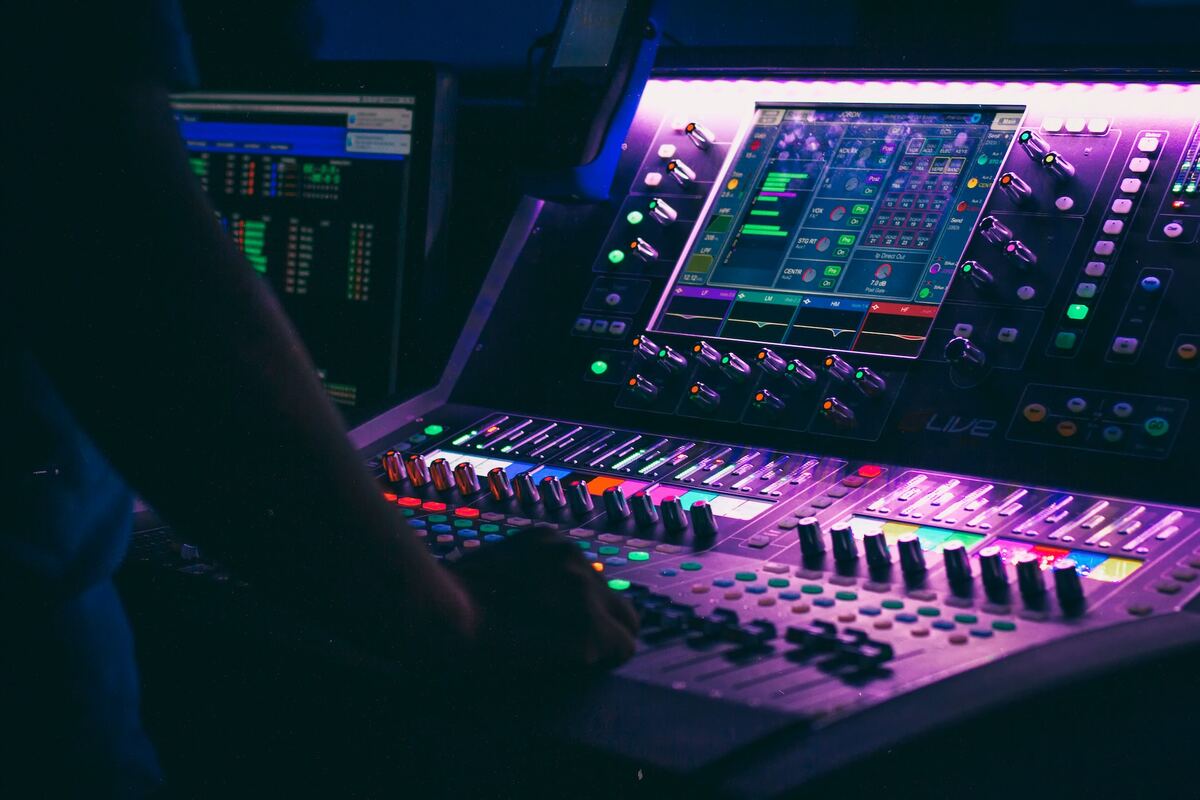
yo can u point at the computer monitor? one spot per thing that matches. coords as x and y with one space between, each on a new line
335 188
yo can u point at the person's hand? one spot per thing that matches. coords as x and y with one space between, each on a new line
541 606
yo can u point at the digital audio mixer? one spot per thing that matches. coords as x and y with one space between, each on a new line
865 393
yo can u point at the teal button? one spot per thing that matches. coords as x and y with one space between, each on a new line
639 555
690 566
609 550
966 619
812 588
929 611
488 527
746 576
1156 426
462 523
846 596
778 583
1004 625
435 518
892 604
1065 340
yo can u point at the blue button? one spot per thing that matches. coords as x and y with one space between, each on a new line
615 561
870 611
668 573
590 555
417 523
756 589
723 583
441 527
1151 283
493 537
943 625
909 618
982 633
824 602
789 595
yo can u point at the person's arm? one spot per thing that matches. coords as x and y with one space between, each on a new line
178 361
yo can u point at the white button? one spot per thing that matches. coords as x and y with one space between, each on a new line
1052 124
1098 125
612 299
666 151
1064 203
1026 292
1076 124
653 178
1113 227
1139 164
1172 230
679 123
583 325
1007 335
1131 185
617 327
1077 405
1095 269
1148 144
1104 248
1122 205
1125 345
600 326
1086 290
964 330
1122 410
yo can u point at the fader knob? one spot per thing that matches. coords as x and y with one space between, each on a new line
837 412
766 400
616 508
643 249
526 490
704 396
704 523
644 512
876 547
975 272
734 368
809 532
961 352
701 136
579 498
1058 166
662 211
393 465
912 557
680 171
673 516
441 474
799 374
642 387
418 470
837 367
465 479
1019 252
644 348
553 495
994 230
671 360
1068 587
958 567
994 574
845 548
770 361
1029 578
706 354
499 485
1033 144
868 382
1017 190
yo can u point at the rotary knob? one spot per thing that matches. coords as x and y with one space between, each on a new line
706 354
1068 587
769 361
418 470
704 523
393 465
499 485
441 474
553 495
811 542
1033 144
912 557
766 400
579 498
465 479
975 272
961 352
1019 252
837 412
701 136
845 548
994 230
662 211
734 368
616 508
526 490
868 382
642 388
876 547
1058 166
645 515
671 360
673 516
1029 579
837 367
1015 188
994 574
704 396
799 374
958 567
643 249
680 171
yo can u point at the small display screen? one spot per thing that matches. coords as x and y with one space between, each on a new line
838 227
1094 566
932 539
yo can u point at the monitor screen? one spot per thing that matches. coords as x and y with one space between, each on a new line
838 227
314 189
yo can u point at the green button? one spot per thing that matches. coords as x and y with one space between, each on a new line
462 523
509 531
435 518
634 217
966 619
609 550
583 545
1077 311
599 367
812 588
639 555
1156 426
488 527
434 430
408 512
892 604
1004 625
616 256
1065 340
690 566
846 596
618 584
929 611
778 583
746 576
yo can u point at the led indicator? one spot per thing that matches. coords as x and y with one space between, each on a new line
695 389
599 367
1077 311
618 584
634 217
759 397
616 256
434 430
733 184
858 376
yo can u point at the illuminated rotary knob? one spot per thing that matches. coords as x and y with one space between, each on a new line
671 360
706 354
994 230
979 276
1029 578
962 352
553 495
393 465
1033 144
680 171
837 367
1058 166
499 485
701 136
662 211
643 249
579 498
645 515
958 567
441 474
837 412
845 547
799 374
418 470
465 479
1015 188
766 400
642 388
673 516
616 507
704 396
734 368
644 348
1020 253
869 382
769 361
994 574
526 490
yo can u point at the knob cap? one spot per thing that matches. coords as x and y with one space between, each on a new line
1058 166
393 465
680 171
994 574
1068 587
662 211
418 470
994 230
704 396
671 360
673 516
616 508
1017 190
706 354
962 352
704 523
441 474
526 490
645 515
912 557
811 542
642 387
958 567
876 547
579 498
1019 252
701 136
465 478
837 367
975 272
1029 578
799 374
868 382
499 485
837 412
765 400
769 361
1033 144
642 249
553 495
644 348
845 548
734 368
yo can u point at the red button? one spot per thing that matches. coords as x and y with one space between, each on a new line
390 497
433 505
466 513
409 502
869 471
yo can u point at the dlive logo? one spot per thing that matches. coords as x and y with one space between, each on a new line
949 424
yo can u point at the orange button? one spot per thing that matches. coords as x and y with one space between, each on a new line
409 502
1066 428
1035 412
1186 351
869 471
466 513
